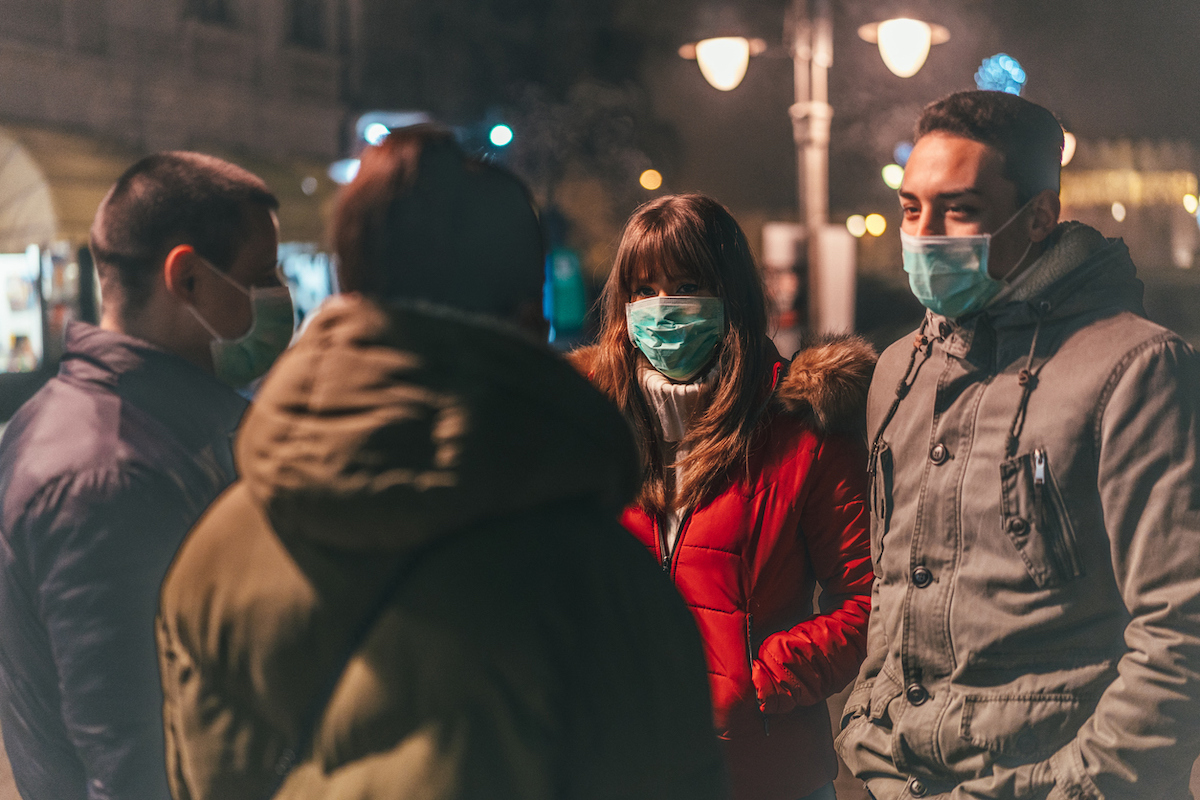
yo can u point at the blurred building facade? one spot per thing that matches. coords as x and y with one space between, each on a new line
1137 190
263 76
92 84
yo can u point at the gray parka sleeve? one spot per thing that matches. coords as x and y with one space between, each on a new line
1145 731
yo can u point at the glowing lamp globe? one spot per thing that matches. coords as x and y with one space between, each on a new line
723 60
904 43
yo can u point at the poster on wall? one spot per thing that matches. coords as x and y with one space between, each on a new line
21 324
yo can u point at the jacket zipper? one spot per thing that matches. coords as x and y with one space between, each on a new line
1039 487
667 556
1051 519
750 657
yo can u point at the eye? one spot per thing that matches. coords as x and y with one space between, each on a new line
910 210
963 211
687 288
644 291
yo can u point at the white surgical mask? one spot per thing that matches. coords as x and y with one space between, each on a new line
238 362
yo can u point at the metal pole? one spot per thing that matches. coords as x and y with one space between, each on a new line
811 26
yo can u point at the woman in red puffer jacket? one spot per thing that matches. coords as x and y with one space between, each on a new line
755 483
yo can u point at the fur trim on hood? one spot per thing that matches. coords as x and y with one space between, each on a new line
827 380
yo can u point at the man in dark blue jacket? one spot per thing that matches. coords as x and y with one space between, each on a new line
108 466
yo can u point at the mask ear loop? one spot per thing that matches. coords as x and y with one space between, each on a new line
1010 221
248 292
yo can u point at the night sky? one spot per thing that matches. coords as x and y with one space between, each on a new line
596 86
1106 69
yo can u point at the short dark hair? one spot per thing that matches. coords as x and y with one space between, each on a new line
1028 136
165 200
424 221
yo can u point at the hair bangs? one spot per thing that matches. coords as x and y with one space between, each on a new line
669 245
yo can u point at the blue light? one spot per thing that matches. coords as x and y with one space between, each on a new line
902 152
375 133
344 171
501 135
1001 73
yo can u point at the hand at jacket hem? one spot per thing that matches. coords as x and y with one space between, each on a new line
773 697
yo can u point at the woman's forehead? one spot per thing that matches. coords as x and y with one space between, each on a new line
656 267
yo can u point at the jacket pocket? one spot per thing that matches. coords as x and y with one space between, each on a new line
1035 518
881 500
858 704
1027 726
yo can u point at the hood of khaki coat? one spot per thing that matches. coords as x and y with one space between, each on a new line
385 427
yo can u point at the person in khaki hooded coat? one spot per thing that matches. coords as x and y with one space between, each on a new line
418 588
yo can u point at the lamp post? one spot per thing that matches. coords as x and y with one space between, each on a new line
904 44
812 116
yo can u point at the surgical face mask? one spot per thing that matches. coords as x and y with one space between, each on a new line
238 362
949 274
677 334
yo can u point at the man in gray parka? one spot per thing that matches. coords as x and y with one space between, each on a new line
1035 625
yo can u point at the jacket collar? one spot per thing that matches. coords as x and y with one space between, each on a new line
1102 278
186 399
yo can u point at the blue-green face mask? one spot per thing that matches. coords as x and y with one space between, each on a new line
949 274
677 334
238 362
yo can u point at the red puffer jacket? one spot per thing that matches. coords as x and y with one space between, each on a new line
747 564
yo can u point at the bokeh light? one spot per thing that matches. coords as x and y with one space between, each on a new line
1069 144
1190 203
651 179
902 152
501 135
1118 211
375 133
876 224
1001 73
893 175
857 225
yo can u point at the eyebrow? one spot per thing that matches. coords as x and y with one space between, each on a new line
945 195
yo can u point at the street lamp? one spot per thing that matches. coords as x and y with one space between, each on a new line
904 44
723 60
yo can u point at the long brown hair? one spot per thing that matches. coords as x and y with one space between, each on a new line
694 236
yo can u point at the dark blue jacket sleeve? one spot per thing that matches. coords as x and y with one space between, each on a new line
105 542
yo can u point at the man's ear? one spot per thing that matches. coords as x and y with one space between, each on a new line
1046 208
179 273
